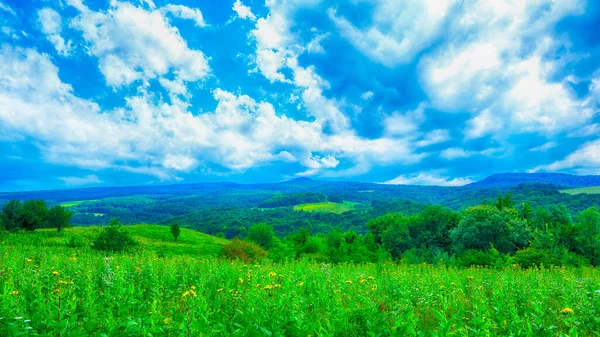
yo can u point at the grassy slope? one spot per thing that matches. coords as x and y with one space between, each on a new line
582 190
151 238
74 203
326 207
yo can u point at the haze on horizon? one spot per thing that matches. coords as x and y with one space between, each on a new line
130 92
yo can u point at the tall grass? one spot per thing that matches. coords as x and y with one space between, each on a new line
61 291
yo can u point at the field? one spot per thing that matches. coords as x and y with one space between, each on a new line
49 289
326 207
582 190
74 203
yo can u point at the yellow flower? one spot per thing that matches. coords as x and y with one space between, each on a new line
219 290
54 273
168 321
268 286
240 280
300 284
362 281
277 286
186 294
14 292
374 287
349 281
272 274
28 260
469 277
258 285
336 291
566 311
371 278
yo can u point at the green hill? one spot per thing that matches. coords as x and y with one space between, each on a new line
326 207
152 238
582 190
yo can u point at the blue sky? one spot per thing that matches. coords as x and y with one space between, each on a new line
109 92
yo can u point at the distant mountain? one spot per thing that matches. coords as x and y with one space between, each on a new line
508 180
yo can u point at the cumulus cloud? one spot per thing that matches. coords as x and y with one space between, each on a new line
157 138
544 147
399 29
134 44
585 160
242 11
428 178
79 181
184 12
51 25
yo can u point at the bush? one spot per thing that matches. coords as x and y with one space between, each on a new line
75 241
490 258
175 230
113 238
531 257
243 250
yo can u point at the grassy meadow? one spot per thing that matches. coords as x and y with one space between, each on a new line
168 288
582 190
326 207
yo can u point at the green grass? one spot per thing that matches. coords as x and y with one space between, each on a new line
74 203
51 290
582 190
326 207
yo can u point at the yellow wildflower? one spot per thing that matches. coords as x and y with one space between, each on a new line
469 277
272 274
362 281
349 281
268 286
240 280
300 284
371 278
14 292
336 291
277 286
186 294
54 273
168 321
28 260
566 311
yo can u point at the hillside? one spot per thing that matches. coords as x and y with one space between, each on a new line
508 180
151 238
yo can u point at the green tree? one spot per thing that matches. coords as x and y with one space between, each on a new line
175 230
59 218
484 226
588 234
33 215
10 216
113 238
262 234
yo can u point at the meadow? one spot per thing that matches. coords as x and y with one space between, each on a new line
582 190
326 207
168 288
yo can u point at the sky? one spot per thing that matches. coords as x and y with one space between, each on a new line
428 92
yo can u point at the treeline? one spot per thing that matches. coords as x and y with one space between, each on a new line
33 214
292 199
491 234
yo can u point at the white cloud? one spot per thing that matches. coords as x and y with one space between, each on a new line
585 160
79 181
51 25
160 139
544 147
455 152
434 137
367 95
6 8
314 46
586 130
404 124
399 29
134 44
242 11
184 12
428 178
498 62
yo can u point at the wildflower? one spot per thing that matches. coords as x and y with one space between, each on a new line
300 284
28 260
469 277
219 290
480 287
362 281
268 286
258 285
240 280
337 291
272 274
374 287
277 286
452 283
14 292
371 278
566 311
186 294
168 321
349 281
54 273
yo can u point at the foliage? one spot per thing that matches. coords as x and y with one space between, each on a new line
175 230
243 250
10 218
292 199
59 218
113 238
33 214
261 234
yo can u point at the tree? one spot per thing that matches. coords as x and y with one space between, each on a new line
33 215
261 234
59 217
175 230
484 226
9 218
588 234
113 238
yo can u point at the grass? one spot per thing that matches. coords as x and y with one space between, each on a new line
582 190
326 207
74 203
49 289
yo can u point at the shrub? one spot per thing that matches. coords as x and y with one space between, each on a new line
531 257
113 238
175 230
75 241
489 258
243 250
